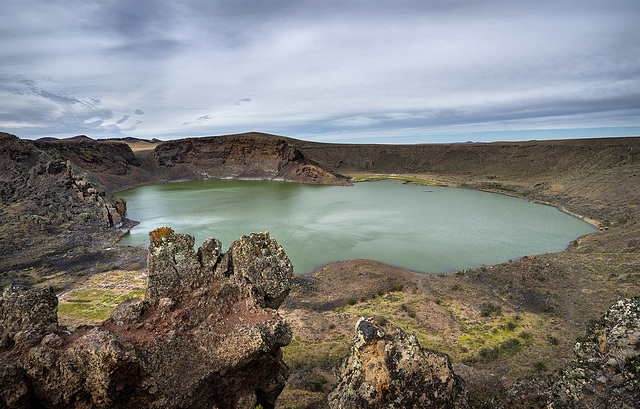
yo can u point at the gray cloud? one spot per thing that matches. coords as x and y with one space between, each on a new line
123 119
320 70
198 120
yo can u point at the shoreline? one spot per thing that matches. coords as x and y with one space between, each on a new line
410 180
418 180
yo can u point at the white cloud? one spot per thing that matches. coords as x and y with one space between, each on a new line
302 68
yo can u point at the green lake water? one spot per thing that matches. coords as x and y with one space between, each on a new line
424 228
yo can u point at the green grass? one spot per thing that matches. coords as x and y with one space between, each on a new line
301 354
93 304
406 179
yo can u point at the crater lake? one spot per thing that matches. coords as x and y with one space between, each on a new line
430 229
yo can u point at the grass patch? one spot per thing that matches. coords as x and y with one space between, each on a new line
405 179
488 309
93 304
305 354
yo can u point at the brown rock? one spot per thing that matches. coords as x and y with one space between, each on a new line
243 156
387 369
262 263
127 312
207 335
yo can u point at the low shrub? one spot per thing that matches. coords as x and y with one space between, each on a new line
488 309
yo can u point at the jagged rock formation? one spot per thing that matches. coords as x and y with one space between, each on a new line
387 369
45 201
605 373
206 335
52 191
244 156
112 163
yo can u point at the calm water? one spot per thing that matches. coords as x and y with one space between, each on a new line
424 228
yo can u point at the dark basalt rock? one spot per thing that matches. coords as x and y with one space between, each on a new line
50 206
386 368
54 191
26 315
206 335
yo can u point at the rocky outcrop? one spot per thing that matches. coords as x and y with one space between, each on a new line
113 164
53 191
48 205
243 156
206 335
604 374
386 368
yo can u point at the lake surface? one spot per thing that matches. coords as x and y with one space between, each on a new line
424 228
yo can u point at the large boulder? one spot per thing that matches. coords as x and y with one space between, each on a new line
387 368
206 335
27 315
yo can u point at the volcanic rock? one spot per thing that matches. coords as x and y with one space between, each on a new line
206 335
387 368
605 373
49 206
243 156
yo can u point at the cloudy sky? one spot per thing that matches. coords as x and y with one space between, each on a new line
393 71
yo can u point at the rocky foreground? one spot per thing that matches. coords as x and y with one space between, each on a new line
205 335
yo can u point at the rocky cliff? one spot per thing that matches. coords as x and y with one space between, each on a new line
243 156
206 335
112 163
47 205
386 368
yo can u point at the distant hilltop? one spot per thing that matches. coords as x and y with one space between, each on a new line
85 138
127 162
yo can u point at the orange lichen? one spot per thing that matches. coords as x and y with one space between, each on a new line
384 390
158 234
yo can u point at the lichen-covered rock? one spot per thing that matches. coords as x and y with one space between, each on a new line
261 262
127 312
99 369
26 315
173 264
387 369
206 335
605 373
